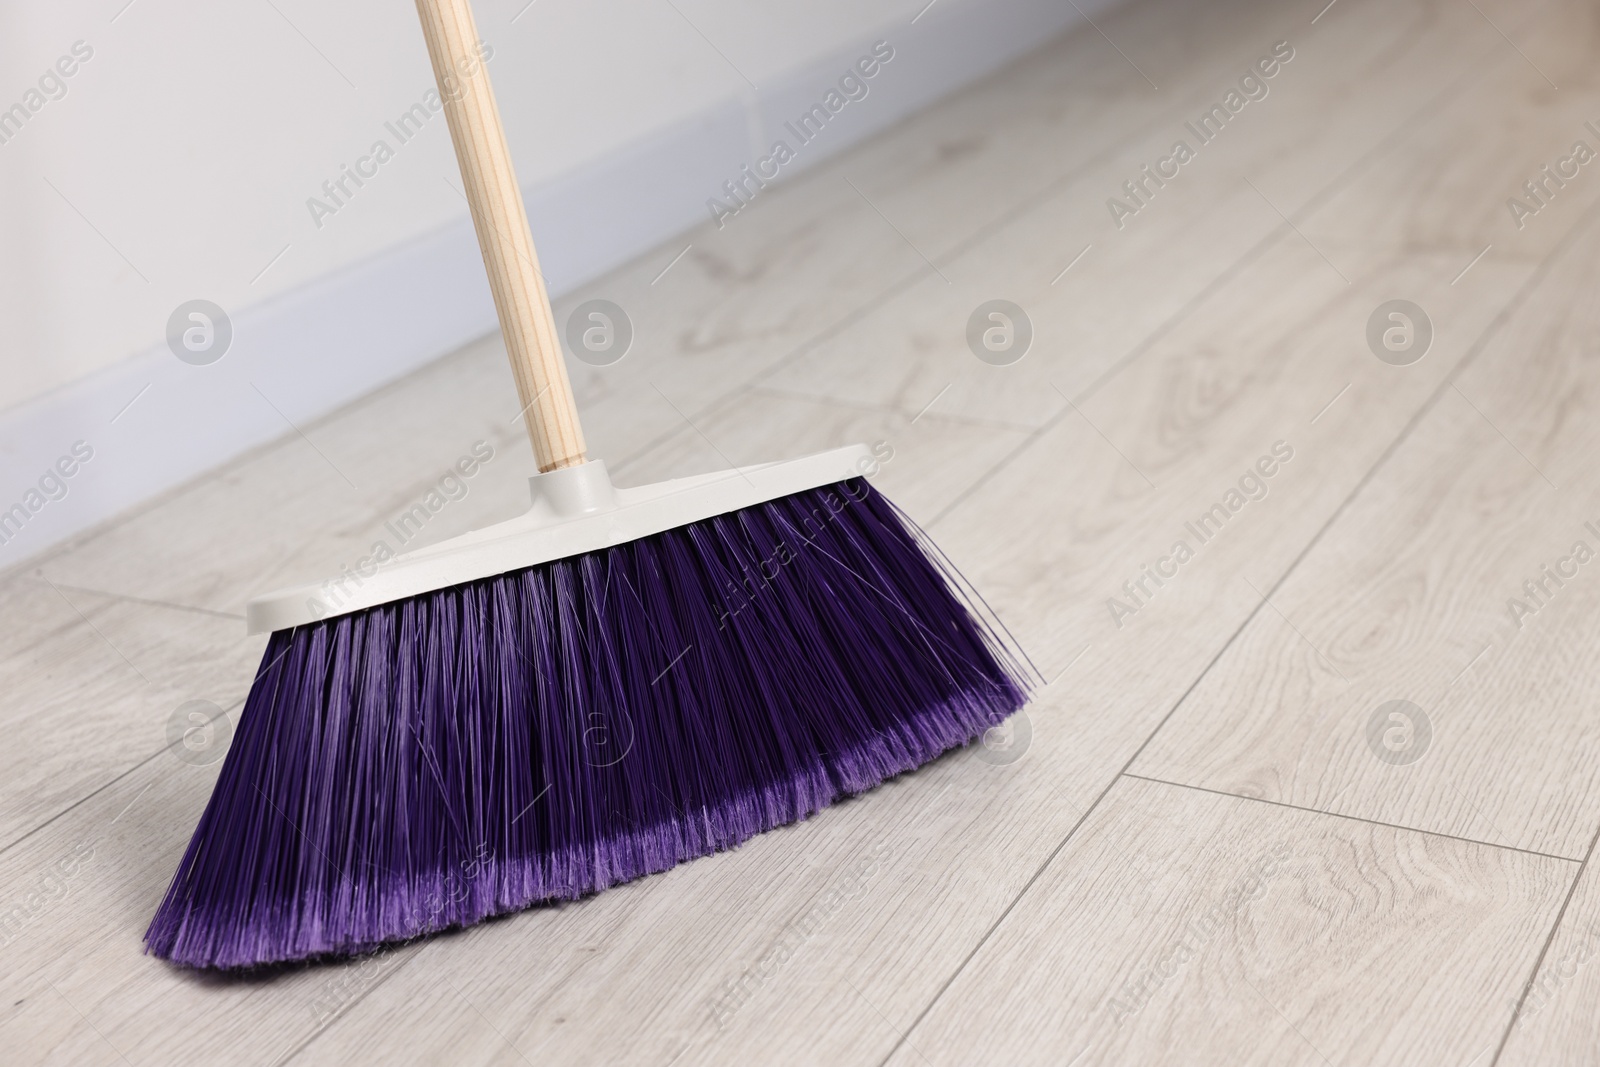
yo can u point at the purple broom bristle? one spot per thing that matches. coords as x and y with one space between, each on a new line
546 733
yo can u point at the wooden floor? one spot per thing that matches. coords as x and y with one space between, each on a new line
1211 841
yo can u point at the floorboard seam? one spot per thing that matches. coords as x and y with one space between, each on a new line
344 1011
1027 204
9 845
1353 818
1555 928
1220 282
1482 342
146 600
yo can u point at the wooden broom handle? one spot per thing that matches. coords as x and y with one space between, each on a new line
526 321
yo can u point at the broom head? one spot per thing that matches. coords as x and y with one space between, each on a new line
611 684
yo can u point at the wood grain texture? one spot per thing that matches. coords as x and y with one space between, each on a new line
1418 593
1346 104
1192 928
1558 1012
1207 330
1468 177
91 682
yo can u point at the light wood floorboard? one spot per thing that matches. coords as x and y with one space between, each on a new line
981 913
1194 928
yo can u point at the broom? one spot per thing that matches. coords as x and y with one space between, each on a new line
610 684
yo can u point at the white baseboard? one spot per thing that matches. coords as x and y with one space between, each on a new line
328 343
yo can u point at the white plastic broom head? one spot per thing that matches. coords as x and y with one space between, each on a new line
575 510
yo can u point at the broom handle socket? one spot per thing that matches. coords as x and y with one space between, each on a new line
526 321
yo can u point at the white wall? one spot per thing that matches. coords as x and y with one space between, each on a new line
193 136
178 164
